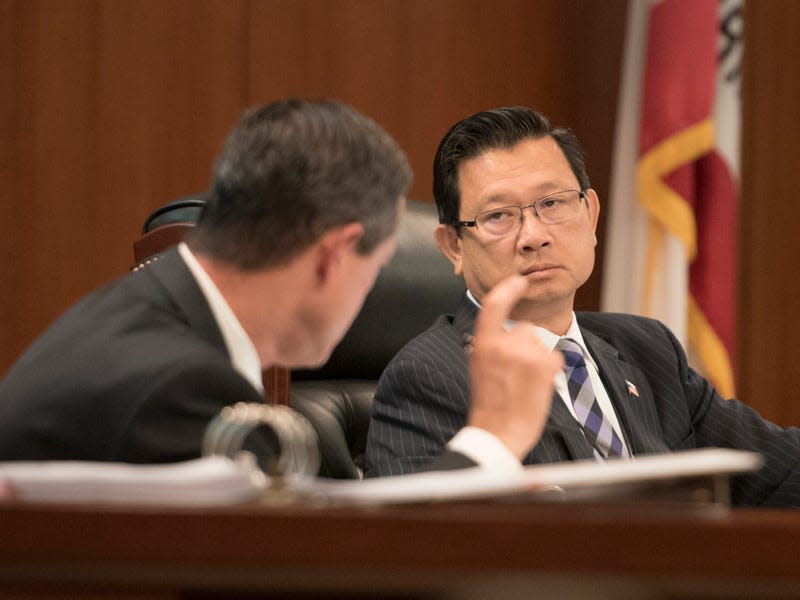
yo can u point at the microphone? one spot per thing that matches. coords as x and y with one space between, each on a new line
279 439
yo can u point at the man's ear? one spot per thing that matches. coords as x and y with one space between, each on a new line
593 203
450 245
333 246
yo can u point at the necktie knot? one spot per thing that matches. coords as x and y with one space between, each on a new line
574 364
566 344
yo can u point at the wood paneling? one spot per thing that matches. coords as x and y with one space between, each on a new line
107 110
769 340
417 67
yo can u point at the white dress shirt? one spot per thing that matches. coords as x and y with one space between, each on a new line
241 350
488 451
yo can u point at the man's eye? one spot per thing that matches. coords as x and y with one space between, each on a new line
550 202
499 215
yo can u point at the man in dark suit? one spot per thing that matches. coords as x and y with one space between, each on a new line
301 216
514 200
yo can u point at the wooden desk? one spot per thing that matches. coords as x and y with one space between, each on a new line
432 551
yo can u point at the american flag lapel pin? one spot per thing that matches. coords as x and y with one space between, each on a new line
631 388
468 342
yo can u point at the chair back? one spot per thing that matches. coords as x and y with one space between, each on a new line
166 226
412 290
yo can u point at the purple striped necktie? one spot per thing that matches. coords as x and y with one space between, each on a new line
597 428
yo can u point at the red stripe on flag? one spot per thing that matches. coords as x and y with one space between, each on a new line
679 70
712 275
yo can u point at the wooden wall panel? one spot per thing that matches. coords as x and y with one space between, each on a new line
770 221
46 105
418 66
107 110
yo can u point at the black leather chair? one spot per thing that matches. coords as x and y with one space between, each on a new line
412 290
182 210
166 226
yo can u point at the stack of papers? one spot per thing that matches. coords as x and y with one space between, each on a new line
214 480
218 480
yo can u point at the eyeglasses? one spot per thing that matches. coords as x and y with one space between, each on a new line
505 220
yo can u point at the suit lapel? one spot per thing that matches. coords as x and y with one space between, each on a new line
562 438
174 276
633 403
464 319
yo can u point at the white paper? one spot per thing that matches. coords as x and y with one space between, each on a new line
206 481
220 481
477 483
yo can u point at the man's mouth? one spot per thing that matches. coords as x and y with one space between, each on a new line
540 270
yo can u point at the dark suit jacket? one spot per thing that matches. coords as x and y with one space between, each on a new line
133 372
423 396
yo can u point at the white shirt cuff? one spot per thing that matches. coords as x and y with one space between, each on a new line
484 449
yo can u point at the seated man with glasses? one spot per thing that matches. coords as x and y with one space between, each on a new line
514 198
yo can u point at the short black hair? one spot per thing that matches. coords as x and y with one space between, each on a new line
489 130
292 170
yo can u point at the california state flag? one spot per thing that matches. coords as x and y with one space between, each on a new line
672 226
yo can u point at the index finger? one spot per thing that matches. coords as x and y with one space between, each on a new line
497 304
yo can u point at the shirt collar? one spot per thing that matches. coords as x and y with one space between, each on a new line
549 338
241 350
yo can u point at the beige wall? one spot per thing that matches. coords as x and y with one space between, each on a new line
108 109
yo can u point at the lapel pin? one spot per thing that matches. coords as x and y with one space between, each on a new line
632 389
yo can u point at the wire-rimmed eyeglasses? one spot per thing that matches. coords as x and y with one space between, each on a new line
504 220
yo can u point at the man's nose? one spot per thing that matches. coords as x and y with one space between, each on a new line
532 232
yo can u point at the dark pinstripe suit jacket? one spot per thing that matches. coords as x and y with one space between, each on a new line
422 400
